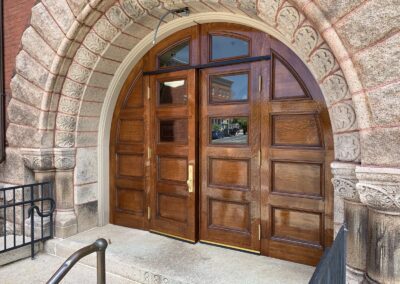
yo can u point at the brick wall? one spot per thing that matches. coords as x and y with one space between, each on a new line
16 19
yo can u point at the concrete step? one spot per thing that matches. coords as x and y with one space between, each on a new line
40 270
143 257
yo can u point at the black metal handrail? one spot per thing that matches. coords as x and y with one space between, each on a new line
14 210
98 246
332 267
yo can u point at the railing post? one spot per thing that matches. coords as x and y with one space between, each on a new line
101 261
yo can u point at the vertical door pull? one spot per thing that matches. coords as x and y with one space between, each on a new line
190 178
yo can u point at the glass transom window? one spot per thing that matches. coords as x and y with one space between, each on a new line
227 47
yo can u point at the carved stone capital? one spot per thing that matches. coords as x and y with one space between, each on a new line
38 159
379 188
64 158
344 180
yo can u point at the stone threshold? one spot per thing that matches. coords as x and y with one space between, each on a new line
143 257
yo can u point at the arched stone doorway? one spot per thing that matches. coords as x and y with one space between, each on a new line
221 134
65 64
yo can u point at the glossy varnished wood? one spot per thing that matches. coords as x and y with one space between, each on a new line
173 207
277 180
128 185
296 144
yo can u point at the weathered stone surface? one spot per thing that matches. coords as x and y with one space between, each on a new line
94 43
86 216
107 66
65 122
24 136
25 91
364 27
88 123
116 53
117 17
86 165
90 108
85 193
68 105
78 73
343 117
33 43
373 63
105 29
94 94
335 88
337 9
30 69
72 89
24 114
15 165
44 24
86 139
385 105
380 146
76 5
347 147
125 41
86 58
61 12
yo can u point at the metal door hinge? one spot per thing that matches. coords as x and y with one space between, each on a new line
148 212
259 232
149 153
148 93
259 83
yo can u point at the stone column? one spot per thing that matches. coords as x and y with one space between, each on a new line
56 165
379 189
355 217
66 221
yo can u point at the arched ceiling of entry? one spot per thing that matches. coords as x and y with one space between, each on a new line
72 49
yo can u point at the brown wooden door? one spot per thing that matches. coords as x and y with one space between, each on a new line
128 186
230 136
296 143
173 166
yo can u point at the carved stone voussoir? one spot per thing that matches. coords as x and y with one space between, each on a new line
344 180
38 159
64 158
379 188
346 189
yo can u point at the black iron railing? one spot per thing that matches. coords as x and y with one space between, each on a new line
332 267
98 246
19 225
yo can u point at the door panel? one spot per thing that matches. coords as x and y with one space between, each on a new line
173 201
296 194
230 156
128 194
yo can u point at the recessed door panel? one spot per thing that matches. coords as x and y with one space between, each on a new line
173 165
230 151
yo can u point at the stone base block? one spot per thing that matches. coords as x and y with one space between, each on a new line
66 224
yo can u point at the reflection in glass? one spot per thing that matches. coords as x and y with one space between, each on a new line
229 88
226 47
172 92
176 56
229 130
174 130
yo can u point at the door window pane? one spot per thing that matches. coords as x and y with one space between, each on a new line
172 92
174 130
176 56
226 47
228 88
229 130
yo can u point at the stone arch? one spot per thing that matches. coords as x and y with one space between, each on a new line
61 87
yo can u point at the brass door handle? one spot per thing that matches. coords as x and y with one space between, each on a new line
190 178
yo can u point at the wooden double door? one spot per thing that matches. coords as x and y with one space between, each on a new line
235 155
